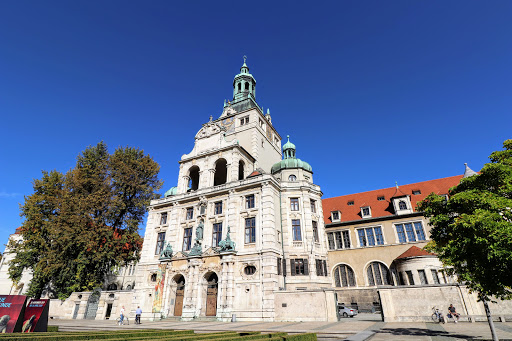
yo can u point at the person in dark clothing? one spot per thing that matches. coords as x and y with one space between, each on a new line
453 313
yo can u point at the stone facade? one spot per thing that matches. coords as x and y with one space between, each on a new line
274 218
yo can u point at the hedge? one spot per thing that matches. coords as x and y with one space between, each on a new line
94 336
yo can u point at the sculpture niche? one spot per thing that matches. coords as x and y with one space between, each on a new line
196 249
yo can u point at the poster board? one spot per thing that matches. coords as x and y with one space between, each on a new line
12 310
36 316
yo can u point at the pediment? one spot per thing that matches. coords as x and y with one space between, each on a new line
179 255
208 130
210 252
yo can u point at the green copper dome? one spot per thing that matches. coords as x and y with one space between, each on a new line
171 191
290 161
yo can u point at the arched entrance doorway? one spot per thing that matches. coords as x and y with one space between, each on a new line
180 292
211 294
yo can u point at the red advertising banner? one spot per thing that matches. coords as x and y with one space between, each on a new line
12 310
36 316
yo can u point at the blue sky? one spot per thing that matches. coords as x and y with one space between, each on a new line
371 92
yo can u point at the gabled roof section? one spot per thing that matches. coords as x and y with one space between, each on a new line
384 208
414 251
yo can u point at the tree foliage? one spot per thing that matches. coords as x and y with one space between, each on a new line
80 225
472 229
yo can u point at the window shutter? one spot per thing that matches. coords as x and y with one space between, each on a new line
325 267
292 266
284 266
306 270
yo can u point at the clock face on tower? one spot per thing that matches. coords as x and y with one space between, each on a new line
229 124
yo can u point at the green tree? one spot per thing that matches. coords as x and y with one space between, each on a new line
80 225
472 229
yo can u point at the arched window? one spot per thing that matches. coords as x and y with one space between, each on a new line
221 172
239 86
246 86
378 274
292 178
402 205
128 287
240 170
112 286
193 173
344 276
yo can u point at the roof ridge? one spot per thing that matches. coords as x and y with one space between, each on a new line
388 188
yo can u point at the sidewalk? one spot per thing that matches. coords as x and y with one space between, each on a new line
363 327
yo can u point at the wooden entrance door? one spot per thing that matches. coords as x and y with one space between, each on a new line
178 304
211 300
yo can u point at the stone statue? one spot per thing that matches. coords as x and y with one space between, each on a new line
199 231
166 252
227 244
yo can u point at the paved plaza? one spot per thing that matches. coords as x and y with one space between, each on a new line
362 327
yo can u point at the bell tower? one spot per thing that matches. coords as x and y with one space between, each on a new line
244 84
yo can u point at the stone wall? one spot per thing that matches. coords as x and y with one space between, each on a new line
364 300
407 304
313 305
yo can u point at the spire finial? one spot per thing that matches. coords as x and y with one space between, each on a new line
288 137
245 58
396 184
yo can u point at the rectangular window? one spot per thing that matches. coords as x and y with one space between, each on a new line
410 232
187 239
346 239
420 233
409 277
365 212
381 198
315 231
279 266
370 236
339 240
313 206
401 279
416 192
250 230
249 201
330 240
218 207
435 277
321 267
423 277
217 234
362 237
335 215
296 230
190 213
244 120
294 204
299 267
350 203
160 243
163 218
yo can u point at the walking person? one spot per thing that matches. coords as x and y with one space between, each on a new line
138 312
121 315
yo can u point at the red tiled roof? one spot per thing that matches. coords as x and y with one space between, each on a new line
18 230
255 173
384 207
414 251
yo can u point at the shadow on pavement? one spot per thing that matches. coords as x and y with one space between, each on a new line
423 332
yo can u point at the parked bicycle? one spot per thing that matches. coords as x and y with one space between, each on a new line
437 316
123 322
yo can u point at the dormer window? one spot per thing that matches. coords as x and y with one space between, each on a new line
366 212
335 215
350 203
416 192
402 205
381 198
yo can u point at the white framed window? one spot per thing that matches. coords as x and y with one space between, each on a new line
402 205
410 232
244 120
297 237
249 201
294 204
366 212
163 218
335 215
378 274
339 240
344 276
313 206
370 236
190 213
218 207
